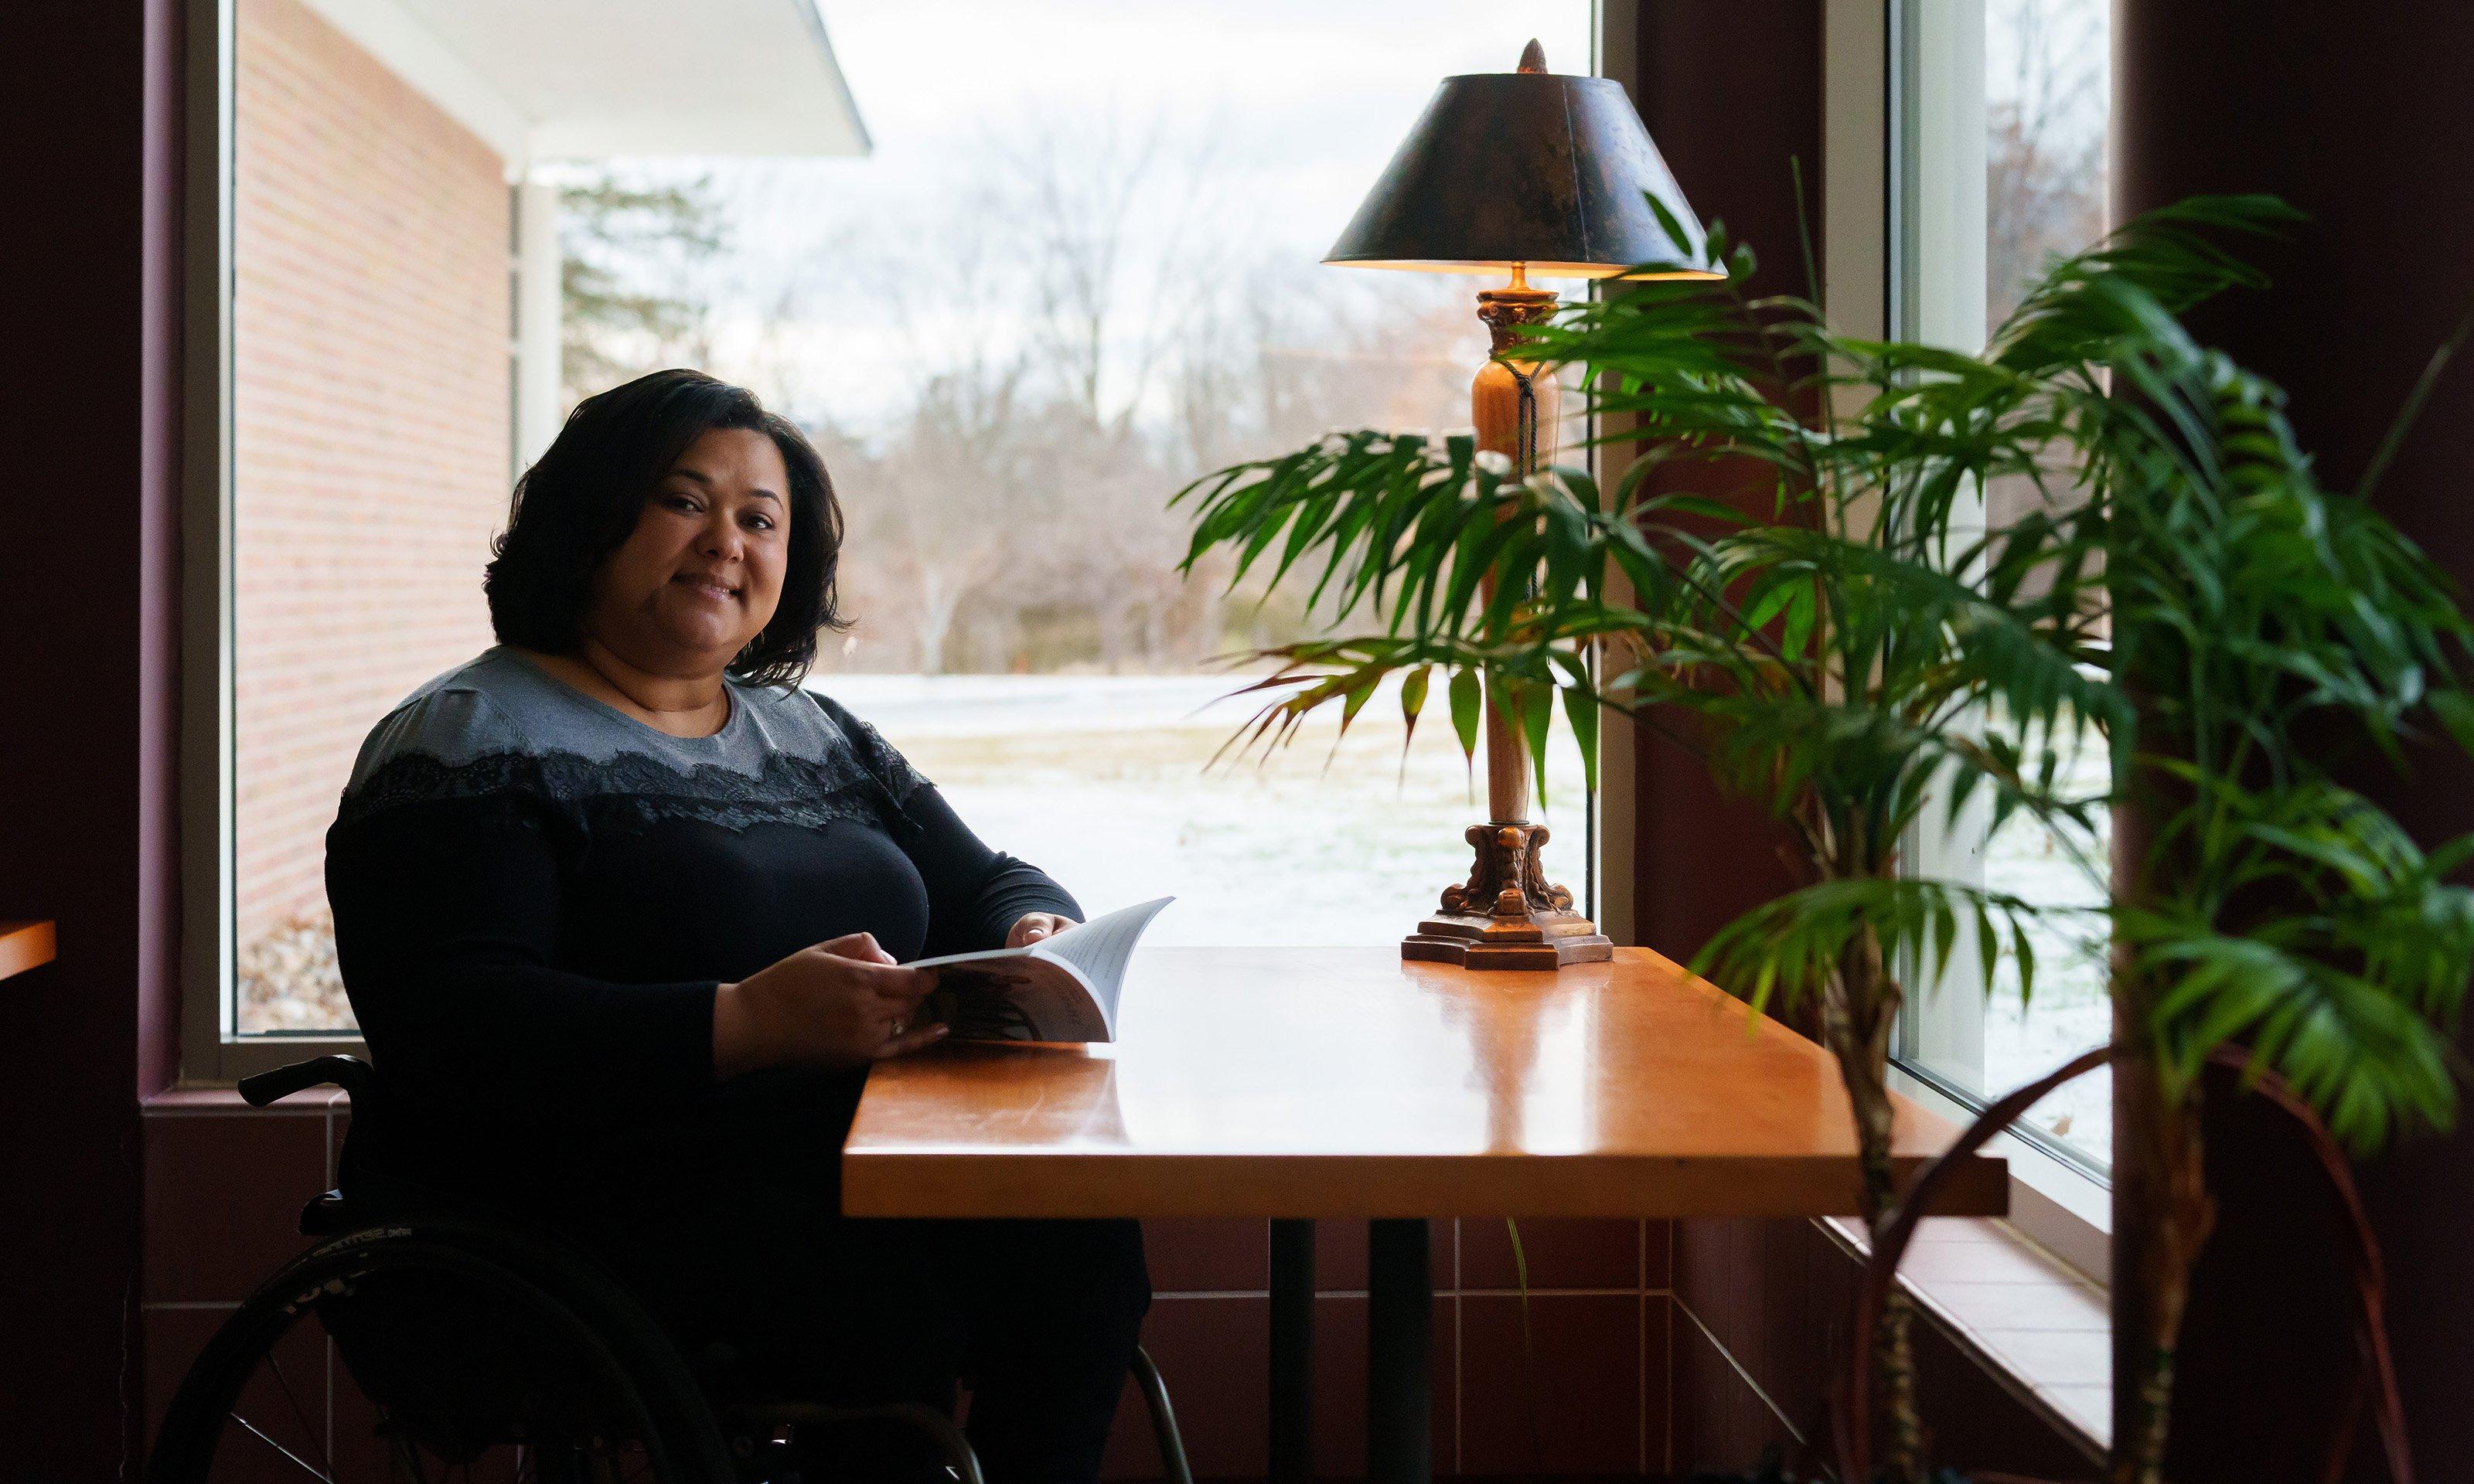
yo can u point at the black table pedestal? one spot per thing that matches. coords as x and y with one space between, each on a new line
1399 1353
1292 1297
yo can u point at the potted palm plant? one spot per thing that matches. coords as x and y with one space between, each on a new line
1852 656
2266 917
2265 914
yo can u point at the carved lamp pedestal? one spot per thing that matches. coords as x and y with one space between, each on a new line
1529 172
1507 915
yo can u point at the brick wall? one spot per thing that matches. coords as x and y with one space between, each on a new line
371 432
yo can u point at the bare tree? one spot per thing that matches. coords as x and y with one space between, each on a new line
955 497
950 490
1079 330
1125 243
2045 178
2044 182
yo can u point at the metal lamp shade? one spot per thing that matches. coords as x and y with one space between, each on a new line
1547 172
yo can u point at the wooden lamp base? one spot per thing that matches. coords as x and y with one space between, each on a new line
1507 915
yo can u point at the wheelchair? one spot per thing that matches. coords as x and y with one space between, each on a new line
417 1342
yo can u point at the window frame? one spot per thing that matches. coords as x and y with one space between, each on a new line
1614 52
1880 207
214 1052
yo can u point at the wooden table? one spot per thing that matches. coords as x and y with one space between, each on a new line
1304 1083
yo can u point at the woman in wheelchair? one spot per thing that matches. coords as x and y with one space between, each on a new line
623 910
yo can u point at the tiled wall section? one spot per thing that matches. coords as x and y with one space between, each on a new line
1761 1329
1585 1392
1598 1332
224 1189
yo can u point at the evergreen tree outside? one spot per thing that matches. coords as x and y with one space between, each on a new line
628 259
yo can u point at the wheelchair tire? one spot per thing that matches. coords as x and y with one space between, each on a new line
466 1339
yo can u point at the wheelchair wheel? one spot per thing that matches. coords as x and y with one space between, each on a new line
423 1351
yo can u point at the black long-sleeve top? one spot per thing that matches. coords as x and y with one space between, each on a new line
535 896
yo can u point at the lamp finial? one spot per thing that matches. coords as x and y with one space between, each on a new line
1532 56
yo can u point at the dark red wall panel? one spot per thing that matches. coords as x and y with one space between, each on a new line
1732 94
87 687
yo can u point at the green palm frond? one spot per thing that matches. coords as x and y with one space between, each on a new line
2349 969
2261 620
1791 947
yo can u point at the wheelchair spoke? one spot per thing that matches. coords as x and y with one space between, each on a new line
315 1436
260 1434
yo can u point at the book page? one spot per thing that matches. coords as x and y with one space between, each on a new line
1015 995
1063 988
1100 948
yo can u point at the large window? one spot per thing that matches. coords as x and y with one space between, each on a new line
2000 110
1022 271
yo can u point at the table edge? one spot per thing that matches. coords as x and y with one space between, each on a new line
1112 1183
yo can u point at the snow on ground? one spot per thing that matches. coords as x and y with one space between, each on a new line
2068 1011
1106 783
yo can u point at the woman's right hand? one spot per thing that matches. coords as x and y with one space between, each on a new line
840 1004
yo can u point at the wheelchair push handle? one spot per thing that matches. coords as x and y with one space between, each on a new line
347 1072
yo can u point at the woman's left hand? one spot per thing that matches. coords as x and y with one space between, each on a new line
1033 926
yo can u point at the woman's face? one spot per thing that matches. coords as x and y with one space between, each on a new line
702 572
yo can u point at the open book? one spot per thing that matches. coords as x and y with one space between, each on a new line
1061 988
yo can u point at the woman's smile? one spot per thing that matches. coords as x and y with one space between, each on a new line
706 585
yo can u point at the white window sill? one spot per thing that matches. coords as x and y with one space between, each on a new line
2025 1296
2032 1322
2053 1204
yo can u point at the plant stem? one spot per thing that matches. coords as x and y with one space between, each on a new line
1856 1018
1896 1360
2185 1215
1528 1345
2161 1194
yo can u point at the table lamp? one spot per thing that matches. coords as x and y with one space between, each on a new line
1530 173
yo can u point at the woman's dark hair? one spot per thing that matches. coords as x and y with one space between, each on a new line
580 502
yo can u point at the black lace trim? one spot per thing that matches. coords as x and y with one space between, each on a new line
634 789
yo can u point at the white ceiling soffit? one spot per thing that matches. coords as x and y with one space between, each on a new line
548 80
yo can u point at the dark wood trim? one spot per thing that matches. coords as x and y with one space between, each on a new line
1732 94
91 112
